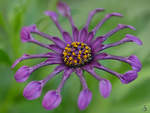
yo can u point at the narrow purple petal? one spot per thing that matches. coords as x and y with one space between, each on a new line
54 17
90 69
67 37
66 75
57 70
105 19
101 67
118 28
39 43
125 78
51 100
100 56
23 74
59 42
84 99
79 73
121 26
26 36
49 61
26 56
83 35
55 48
75 34
44 35
132 60
105 88
128 38
128 77
97 44
64 10
90 37
33 90
91 15
134 39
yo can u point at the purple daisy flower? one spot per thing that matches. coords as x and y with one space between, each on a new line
75 53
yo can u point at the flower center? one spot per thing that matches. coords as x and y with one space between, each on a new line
77 54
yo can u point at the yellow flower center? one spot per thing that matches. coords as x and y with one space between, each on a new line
77 54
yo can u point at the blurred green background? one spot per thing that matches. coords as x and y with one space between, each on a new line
131 98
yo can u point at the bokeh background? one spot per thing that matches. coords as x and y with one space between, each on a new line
131 98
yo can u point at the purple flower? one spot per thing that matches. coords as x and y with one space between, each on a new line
77 52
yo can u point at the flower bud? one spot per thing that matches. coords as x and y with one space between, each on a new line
33 90
105 88
51 100
22 74
84 99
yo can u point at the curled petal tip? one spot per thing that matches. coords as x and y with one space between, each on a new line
126 26
23 74
33 90
84 99
128 77
134 39
51 100
116 14
14 64
135 62
131 27
105 88
63 9
52 14
25 33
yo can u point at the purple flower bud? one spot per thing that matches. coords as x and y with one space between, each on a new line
135 62
23 73
25 33
128 77
33 90
105 88
51 100
84 99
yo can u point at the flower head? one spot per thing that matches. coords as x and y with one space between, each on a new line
78 52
